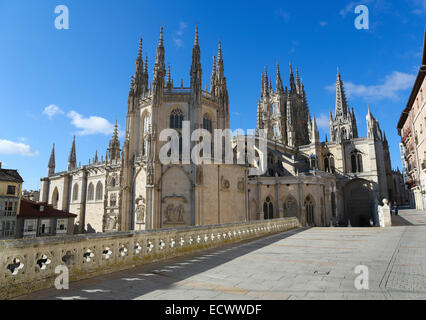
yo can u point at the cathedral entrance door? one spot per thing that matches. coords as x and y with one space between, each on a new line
358 197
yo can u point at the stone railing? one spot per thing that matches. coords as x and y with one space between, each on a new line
29 265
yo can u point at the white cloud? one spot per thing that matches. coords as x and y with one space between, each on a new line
283 14
323 121
323 23
177 38
420 6
52 110
8 147
389 89
349 7
91 125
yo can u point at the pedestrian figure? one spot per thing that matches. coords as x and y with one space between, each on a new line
395 208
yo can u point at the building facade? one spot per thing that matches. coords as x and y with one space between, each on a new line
339 182
411 127
42 220
10 197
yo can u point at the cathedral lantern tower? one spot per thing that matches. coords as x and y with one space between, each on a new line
343 125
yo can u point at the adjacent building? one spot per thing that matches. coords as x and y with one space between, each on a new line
42 220
412 129
10 196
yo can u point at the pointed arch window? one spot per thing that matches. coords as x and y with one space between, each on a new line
268 209
176 119
344 134
91 192
75 192
276 130
146 123
309 206
207 123
329 163
99 191
356 161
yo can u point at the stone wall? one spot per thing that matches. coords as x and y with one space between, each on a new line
29 265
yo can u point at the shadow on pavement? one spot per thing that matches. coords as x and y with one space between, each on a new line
132 283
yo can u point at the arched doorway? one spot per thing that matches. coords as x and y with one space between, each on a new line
359 202
309 207
268 209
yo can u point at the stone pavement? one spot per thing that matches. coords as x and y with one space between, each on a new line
316 263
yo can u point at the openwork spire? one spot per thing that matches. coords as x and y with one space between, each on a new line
279 82
292 85
341 107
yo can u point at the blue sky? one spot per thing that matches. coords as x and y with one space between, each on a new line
59 83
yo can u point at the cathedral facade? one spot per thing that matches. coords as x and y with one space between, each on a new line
336 182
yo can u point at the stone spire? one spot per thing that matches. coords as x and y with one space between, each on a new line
292 85
354 125
221 91
265 83
298 87
72 159
169 79
159 72
315 132
96 159
213 77
52 164
341 107
159 67
114 145
196 71
279 82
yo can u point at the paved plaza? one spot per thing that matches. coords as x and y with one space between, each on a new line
316 263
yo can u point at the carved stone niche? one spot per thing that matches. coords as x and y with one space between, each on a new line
111 222
140 210
174 212
224 183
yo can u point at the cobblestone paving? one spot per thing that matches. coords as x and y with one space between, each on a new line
315 263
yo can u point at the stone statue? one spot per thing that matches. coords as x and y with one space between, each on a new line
180 211
169 213
140 210
384 214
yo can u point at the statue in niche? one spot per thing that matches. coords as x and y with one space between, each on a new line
180 211
169 213
174 215
112 223
140 210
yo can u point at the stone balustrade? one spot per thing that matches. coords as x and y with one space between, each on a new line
29 265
